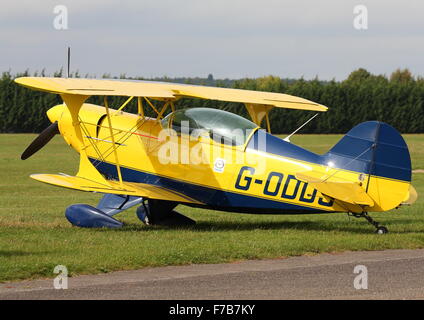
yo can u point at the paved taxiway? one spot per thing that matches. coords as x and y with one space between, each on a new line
392 274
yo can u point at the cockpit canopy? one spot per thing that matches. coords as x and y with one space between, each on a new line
222 126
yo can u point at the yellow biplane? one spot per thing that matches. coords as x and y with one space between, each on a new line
210 158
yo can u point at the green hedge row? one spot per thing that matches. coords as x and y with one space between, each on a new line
397 100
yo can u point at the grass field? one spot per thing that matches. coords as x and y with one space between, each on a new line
35 236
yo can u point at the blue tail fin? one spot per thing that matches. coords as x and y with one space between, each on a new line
374 148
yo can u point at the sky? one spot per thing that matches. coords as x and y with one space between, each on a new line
227 38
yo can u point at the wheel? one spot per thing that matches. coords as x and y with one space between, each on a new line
381 230
142 215
172 218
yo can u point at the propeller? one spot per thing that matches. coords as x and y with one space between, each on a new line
44 137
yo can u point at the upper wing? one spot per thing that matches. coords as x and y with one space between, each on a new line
165 90
337 188
278 100
113 187
258 103
94 87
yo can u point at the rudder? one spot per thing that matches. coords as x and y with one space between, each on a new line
377 150
374 148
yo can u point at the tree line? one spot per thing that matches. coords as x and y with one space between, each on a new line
397 100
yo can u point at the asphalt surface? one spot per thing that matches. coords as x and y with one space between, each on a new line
392 274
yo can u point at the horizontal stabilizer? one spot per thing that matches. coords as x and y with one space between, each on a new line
411 197
127 188
342 190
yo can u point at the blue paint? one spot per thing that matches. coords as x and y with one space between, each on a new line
85 216
382 150
292 196
371 147
142 214
265 142
112 204
279 177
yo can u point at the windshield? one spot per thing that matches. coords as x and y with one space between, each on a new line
222 126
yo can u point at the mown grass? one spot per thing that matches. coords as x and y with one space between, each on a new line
35 236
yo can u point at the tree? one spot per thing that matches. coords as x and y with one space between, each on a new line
401 76
358 75
361 97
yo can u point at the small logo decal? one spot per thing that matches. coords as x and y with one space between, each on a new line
219 165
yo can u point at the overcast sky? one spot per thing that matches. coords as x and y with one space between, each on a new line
228 38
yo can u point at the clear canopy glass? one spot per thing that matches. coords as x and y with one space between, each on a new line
222 126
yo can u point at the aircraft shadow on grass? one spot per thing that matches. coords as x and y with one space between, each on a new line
17 253
250 226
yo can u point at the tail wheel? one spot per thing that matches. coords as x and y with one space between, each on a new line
378 229
381 230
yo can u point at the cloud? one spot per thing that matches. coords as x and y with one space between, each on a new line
227 38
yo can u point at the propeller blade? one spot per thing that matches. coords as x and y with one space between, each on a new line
39 142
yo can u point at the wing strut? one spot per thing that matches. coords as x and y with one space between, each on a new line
291 134
112 136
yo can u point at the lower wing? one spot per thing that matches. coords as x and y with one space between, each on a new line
144 190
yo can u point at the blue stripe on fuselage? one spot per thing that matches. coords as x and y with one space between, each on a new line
214 198
354 152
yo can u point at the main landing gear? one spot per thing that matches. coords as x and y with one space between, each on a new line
158 212
150 212
379 229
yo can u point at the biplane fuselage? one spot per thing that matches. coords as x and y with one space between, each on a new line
250 179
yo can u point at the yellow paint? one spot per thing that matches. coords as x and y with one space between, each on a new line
131 189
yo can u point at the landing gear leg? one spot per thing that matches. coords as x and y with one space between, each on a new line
143 213
379 229
157 212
